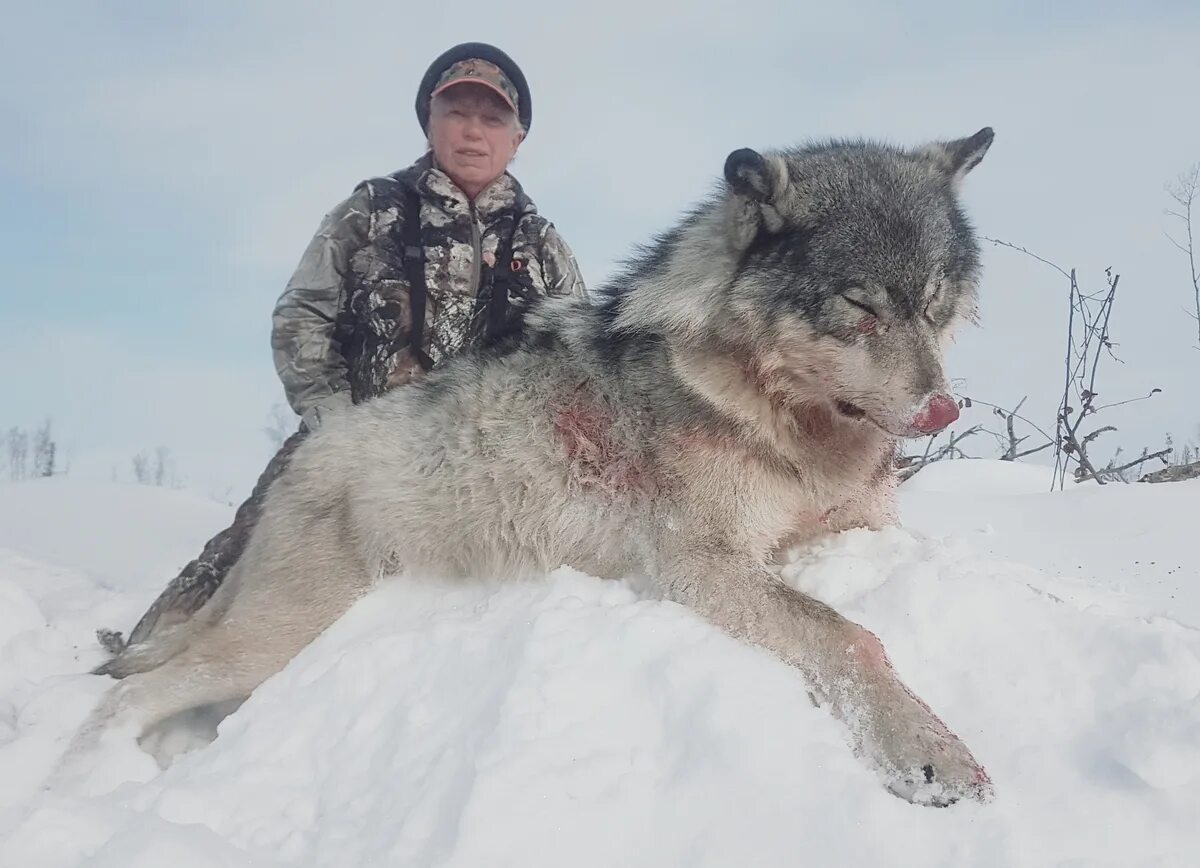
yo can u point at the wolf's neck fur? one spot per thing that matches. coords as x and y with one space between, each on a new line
798 423
689 284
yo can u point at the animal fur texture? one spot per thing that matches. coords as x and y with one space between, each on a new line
739 388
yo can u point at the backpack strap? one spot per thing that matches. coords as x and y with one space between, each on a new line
414 269
509 281
497 308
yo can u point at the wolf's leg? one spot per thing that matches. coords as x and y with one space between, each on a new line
198 581
846 669
302 577
192 679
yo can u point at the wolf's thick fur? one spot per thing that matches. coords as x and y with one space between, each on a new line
741 387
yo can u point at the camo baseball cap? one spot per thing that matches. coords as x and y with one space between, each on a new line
475 70
505 77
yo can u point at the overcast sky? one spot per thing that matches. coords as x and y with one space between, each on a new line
164 165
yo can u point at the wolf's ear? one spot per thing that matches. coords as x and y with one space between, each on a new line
761 196
961 156
749 175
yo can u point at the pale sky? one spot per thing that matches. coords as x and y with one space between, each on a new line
164 165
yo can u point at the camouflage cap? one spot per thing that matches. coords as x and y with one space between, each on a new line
489 66
478 71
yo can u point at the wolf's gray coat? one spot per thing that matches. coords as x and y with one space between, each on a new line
740 387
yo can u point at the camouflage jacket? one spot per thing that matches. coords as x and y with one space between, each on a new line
341 328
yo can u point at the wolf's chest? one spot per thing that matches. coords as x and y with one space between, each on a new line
811 500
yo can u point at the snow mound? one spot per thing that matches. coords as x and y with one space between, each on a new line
575 721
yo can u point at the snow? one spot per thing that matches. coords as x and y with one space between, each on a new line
1131 540
575 721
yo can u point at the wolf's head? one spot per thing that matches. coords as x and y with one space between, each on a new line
867 263
835 273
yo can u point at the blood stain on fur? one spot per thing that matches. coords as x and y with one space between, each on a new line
596 457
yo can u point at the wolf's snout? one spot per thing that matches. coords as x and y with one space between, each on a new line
939 411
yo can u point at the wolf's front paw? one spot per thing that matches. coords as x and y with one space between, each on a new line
937 770
917 755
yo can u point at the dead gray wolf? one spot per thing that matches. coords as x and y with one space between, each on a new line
740 387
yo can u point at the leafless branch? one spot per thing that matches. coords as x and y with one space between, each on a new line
1092 436
1020 455
909 466
1088 341
1013 413
1152 393
1184 191
1176 473
1182 249
1028 253
1113 471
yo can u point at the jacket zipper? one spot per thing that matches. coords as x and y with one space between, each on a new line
476 254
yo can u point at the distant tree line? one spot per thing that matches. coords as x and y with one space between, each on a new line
35 453
31 453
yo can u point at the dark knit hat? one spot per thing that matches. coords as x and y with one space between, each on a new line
476 51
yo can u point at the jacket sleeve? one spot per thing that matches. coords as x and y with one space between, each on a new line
559 268
307 358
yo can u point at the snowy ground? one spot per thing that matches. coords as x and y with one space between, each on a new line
571 722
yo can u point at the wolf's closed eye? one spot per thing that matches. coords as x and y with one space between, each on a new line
861 305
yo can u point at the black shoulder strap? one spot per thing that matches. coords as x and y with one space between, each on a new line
497 313
414 268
